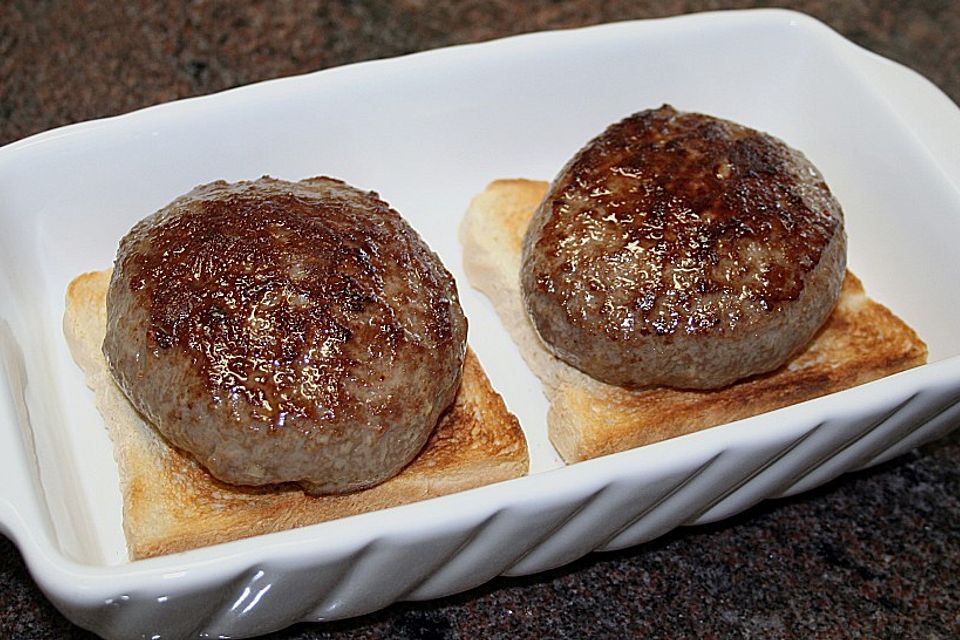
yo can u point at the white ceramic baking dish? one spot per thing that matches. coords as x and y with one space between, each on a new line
428 131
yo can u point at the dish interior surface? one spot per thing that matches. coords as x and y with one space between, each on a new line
427 132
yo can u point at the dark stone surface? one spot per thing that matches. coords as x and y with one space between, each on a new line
874 554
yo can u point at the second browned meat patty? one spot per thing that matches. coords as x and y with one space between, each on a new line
684 250
286 331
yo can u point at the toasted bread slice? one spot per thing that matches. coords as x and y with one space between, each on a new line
170 503
861 341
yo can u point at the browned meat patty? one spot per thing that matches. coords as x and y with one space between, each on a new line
286 332
683 250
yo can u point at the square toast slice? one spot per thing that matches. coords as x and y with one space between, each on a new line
861 341
171 503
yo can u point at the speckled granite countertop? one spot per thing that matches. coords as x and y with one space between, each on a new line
873 554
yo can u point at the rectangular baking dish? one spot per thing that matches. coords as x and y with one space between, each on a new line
428 131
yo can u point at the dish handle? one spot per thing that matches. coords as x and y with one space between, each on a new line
920 105
23 516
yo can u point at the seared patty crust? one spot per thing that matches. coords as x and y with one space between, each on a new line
285 332
683 250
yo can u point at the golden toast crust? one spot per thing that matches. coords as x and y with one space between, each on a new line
171 503
861 341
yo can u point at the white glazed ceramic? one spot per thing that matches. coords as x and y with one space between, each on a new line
428 131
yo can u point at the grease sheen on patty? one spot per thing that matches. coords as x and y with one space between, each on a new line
684 250
286 331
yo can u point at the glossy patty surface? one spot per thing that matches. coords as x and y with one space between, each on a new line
684 250
285 331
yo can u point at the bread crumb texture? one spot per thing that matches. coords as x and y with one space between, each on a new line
861 341
171 503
